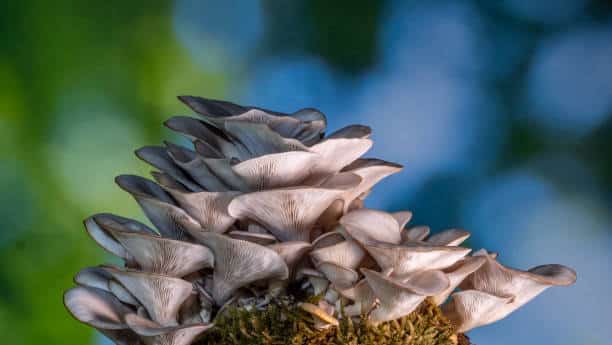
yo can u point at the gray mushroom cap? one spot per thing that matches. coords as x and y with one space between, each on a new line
238 263
366 225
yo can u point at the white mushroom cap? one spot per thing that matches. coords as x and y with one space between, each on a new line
496 280
371 172
457 273
238 263
340 276
289 213
366 225
153 333
400 299
402 218
292 252
161 296
208 208
362 296
450 237
165 256
472 308
406 259
347 253
277 170
415 234
338 152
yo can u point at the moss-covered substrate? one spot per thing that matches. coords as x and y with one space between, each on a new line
283 325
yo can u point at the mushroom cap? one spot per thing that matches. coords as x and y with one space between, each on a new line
288 213
469 309
340 276
450 237
415 234
154 334
366 225
406 259
457 273
96 307
255 237
398 299
238 263
402 218
347 253
160 295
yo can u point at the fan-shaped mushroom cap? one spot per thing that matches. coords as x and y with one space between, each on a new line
320 313
161 296
153 333
371 172
121 293
347 253
98 227
366 225
165 256
96 307
415 234
340 276
497 280
457 273
238 263
336 153
472 308
157 205
450 237
277 170
208 208
255 237
289 214
402 218
406 259
328 239
158 157
400 299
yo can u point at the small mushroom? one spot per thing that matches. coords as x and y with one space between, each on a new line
371 172
362 296
402 218
398 299
338 152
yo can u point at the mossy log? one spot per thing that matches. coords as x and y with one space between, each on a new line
288 325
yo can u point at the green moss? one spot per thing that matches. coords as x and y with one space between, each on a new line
288 325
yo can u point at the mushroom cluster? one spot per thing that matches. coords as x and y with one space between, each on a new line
265 204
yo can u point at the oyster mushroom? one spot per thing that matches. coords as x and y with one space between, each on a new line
255 237
153 333
101 310
406 259
371 172
366 225
494 291
238 263
172 221
415 234
340 276
288 213
398 299
457 273
362 296
317 279
347 253
450 237
402 218
161 296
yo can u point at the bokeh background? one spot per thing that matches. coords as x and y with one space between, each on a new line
499 110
